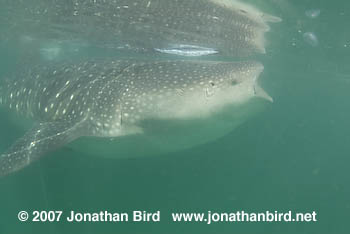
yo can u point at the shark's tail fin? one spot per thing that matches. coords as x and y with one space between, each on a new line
44 137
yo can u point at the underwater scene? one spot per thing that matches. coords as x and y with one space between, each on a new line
174 116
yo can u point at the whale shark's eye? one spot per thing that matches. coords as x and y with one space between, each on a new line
234 82
212 83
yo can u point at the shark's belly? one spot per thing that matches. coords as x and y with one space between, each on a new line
165 136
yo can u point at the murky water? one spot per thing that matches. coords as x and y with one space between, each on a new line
293 156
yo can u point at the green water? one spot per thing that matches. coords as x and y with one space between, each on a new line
293 156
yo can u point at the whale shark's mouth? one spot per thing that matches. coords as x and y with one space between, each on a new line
260 92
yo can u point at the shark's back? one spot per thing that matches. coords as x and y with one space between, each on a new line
58 91
228 27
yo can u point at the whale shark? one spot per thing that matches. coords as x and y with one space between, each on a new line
126 99
180 27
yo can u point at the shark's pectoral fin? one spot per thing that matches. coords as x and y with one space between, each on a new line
42 138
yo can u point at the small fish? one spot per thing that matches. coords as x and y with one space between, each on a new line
188 50
313 13
311 39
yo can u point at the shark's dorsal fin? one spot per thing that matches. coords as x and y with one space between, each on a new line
42 138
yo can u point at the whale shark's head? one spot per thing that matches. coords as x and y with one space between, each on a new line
189 89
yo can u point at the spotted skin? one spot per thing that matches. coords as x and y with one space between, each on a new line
229 27
111 98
